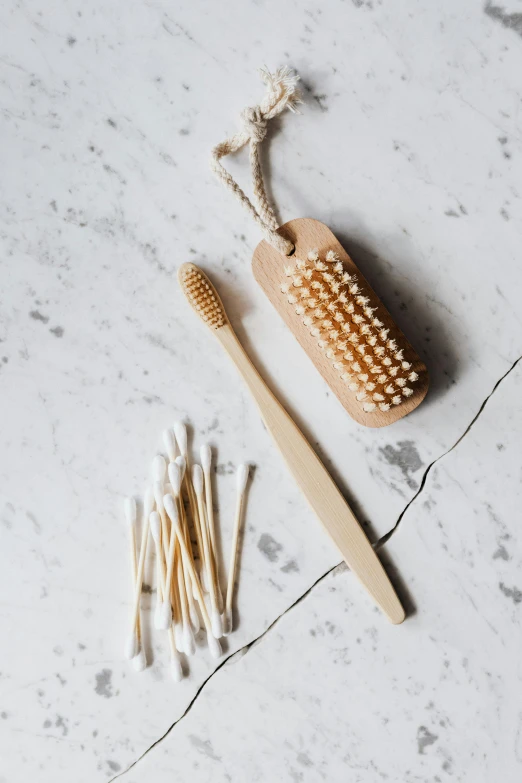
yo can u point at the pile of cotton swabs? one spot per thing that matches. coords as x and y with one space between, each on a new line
176 511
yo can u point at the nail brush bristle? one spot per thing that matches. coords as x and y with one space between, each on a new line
336 311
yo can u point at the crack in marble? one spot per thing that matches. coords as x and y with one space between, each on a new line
386 537
238 654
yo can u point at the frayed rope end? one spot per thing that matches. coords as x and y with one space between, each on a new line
282 88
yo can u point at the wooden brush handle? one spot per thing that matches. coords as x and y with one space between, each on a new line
316 484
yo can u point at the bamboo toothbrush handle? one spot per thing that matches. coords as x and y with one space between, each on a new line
316 484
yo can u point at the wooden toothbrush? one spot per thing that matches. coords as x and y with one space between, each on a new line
312 477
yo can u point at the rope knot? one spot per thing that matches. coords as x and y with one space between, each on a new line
254 123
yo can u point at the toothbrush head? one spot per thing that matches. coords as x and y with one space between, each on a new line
202 296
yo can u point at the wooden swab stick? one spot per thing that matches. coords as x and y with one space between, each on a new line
164 618
189 643
181 439
168 578
177 474
206 464
155 529
172 510
242 479
176 477
175 663
197 480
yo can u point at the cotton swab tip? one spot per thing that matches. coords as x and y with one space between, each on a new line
206 457
227 622
171 507
165 616
132 646
197 480
176 670
169 441
175 478
159 490
158 617
178 637
242 477
181 437
130 510
155 526
139 662
148 502
194 619
217 625
189 643
182 462
214 646
158 468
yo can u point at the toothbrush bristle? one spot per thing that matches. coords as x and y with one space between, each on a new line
336 310
201 295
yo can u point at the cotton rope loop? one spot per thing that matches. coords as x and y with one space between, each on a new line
281 94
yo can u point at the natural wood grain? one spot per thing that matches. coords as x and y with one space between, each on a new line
308 470
268 267
316 484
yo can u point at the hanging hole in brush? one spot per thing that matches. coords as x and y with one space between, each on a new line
291 253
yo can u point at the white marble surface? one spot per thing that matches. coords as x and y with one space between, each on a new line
333 693
409 147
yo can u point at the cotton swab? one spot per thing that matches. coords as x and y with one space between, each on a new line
175 611
206 464
242 479
130 516
158 468
189 643
139 662
163 617
171 509
170 571
197 480
176 471
175 663
132 644
195 521
155 529
180 431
